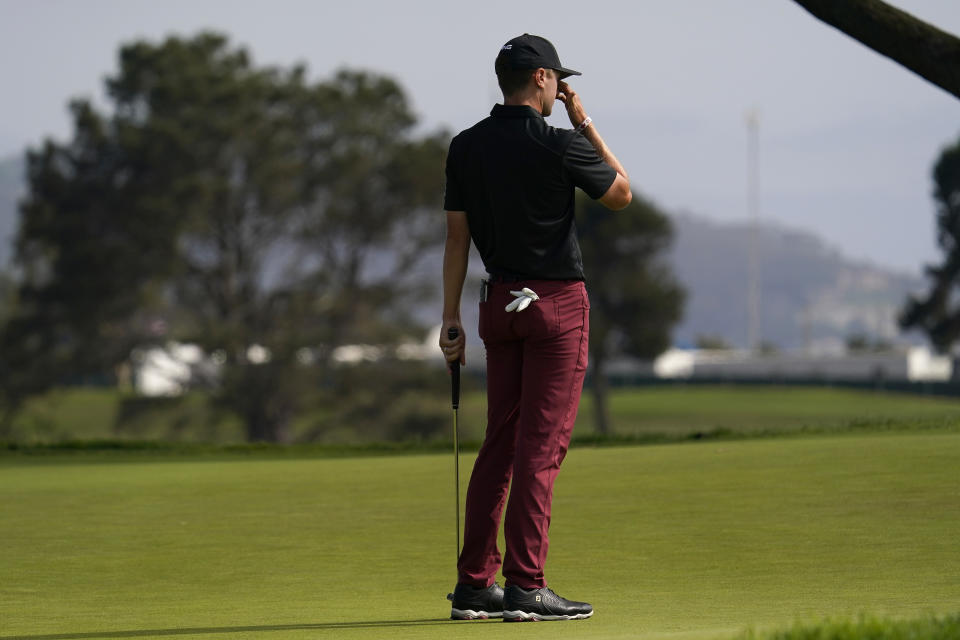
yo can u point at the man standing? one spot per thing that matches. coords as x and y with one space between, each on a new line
510 187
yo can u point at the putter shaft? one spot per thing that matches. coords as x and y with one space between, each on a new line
452 334
456 475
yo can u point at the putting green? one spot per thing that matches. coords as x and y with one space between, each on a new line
674 541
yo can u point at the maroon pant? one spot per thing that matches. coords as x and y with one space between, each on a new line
536 361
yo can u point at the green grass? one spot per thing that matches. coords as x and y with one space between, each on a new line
643 414
698 540
679 412
83 413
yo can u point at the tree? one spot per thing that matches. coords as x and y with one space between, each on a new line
919 46
8 300
634 299
712 342
226 205
937 314
860 342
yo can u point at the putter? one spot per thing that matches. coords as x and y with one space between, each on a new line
452 334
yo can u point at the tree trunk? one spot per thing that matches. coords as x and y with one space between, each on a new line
262 395
261 426
600 385
917 45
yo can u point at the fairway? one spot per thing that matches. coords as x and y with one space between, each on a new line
645 413
678 412
695 540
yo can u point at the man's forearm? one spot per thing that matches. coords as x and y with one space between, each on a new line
593 137
578 116
456 255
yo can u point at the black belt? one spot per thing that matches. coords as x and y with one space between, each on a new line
505 278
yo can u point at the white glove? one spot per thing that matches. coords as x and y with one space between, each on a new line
524 298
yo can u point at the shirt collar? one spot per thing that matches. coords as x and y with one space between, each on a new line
515 111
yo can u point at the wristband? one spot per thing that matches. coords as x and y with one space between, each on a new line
583 125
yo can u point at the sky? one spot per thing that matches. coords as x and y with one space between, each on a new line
847 138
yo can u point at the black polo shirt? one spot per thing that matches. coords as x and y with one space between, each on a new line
514 175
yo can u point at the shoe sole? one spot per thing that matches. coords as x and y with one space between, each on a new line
524 616
470 614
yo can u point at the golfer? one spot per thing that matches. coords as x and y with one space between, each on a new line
510 188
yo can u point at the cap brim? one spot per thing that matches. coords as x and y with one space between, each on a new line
566 73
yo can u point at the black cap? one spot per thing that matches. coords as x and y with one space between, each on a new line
532 52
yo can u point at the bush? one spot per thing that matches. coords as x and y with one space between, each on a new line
386 401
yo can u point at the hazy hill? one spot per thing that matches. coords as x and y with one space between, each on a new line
810 294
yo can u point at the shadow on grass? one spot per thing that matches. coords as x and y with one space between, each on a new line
188 631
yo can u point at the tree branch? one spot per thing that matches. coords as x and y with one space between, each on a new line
929 52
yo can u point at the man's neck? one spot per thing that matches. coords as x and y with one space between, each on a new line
520 101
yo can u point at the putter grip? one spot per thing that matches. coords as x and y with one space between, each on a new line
452 334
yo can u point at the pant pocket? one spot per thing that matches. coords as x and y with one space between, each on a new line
483 324
543 318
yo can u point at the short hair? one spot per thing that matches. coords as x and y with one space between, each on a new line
512 81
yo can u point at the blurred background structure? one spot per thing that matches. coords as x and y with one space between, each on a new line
241 201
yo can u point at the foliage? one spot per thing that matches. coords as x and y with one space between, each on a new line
713 342
768 348
938 314
862 343
225 205
8 301
396 408
634 298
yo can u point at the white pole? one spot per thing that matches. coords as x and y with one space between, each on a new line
753 212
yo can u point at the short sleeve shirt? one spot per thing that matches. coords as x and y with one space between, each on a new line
515 176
